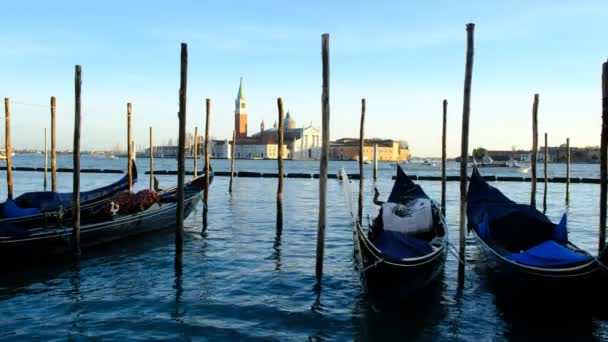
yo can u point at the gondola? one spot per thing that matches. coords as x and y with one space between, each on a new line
40 243
403 252
34 209
522 244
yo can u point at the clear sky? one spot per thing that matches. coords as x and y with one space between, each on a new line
404 57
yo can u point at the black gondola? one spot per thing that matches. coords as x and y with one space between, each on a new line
522 243
56 241
395 264
40 208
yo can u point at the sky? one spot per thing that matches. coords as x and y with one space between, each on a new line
404 57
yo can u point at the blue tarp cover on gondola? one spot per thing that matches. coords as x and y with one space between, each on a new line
520 229
397 245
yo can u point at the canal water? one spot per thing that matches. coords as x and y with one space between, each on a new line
242 281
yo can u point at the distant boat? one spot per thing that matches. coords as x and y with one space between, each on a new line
488 162
3 154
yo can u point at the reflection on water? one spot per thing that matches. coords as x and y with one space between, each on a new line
250 275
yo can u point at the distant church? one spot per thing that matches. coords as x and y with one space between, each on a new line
298 143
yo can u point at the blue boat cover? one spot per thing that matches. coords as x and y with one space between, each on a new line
522 230
396 245
10 209
549 254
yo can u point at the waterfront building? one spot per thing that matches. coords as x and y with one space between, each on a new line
388 149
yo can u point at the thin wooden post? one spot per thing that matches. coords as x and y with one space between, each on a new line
206 194
361 157
376 162
129 151
604 157
567 170
151 155
76 161
464 150
546 156
7 146
533 155
444 155
46 159
280 165
179 232
323 163
233 155
53 145
195 149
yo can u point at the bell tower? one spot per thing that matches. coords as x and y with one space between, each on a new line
240 113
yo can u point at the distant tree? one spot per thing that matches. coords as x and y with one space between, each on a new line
479 153
170 143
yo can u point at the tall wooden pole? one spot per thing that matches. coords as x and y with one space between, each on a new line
604 157
151 156
46 159
280 166
533 155
206 194
53 145
444 155
376 162
233 155
546 156
323 163
567 170
179 232
129 151
195 149
464 150
76 161
361 156
7 146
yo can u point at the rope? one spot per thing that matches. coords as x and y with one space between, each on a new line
373 265
452 249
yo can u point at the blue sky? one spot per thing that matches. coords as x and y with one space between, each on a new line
403 57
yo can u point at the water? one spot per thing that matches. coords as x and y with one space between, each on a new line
240 281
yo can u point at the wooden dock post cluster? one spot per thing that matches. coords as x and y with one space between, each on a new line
375 162
76 160
195 152
206 193
444 155
567 171
323 162
46 159
53 145
151 156
280 167
533 155
464 148
361 157
604 157
7 147
179 230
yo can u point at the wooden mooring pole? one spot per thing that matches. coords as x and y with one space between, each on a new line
76 161
129 151
567 171
361 159
53 145
376 162
464 147
533 154
444 155
604 157
232 156
179 231
206 193
46 159
323 162
280 165
545 157
7 147
151 156
195 149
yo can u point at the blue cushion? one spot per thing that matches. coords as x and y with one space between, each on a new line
398 246
10 210
549 254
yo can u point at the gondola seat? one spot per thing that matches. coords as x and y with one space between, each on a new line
549 254
10 209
